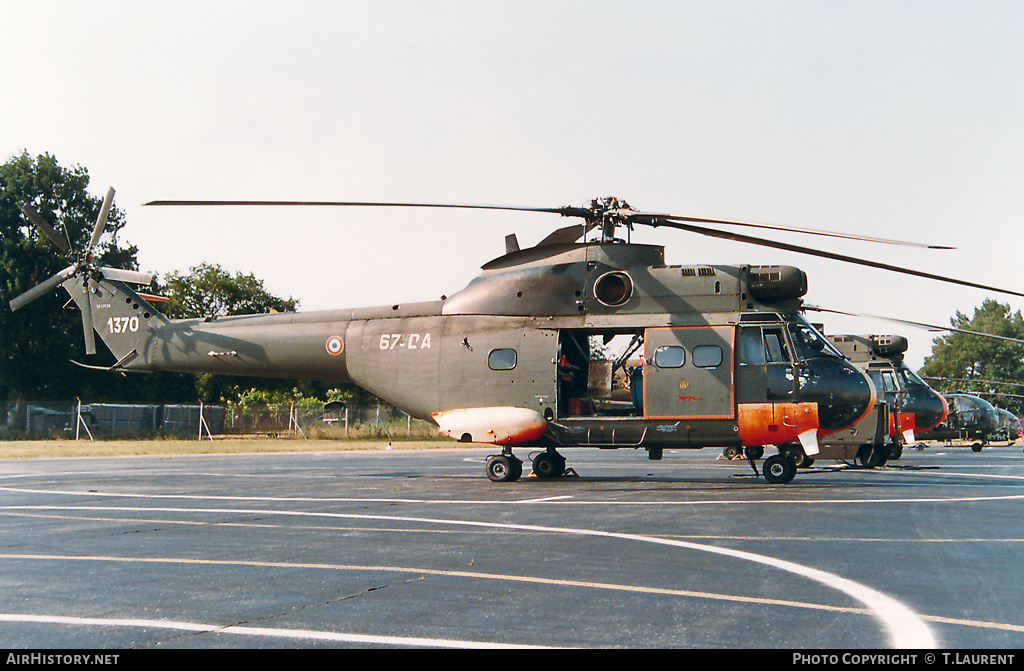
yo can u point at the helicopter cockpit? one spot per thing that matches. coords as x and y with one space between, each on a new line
607 373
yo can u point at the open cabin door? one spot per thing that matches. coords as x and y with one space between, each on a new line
688 372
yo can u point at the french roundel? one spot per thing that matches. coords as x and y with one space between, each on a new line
335 345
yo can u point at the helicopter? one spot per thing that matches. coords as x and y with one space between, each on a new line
906 403
514 358
1009 426
913 405
970 418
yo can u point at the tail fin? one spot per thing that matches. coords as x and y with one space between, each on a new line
122 318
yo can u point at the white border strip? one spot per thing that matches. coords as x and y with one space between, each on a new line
304 634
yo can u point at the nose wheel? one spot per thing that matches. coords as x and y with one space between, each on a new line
779 469
504 467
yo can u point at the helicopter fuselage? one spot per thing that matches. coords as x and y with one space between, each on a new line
517 356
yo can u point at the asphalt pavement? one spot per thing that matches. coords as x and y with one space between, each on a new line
417 549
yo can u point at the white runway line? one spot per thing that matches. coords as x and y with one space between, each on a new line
904 627
275 632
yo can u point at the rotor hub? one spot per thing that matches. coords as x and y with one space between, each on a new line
609 213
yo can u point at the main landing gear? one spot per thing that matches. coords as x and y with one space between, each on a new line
780 468
506 467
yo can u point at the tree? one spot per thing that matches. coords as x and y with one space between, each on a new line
979 365
37 341
207 290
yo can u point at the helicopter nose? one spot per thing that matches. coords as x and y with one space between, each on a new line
930 409
844 394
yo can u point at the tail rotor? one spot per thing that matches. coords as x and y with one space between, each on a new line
84 266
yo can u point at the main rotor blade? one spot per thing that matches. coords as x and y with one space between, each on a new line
564 211
121 275
930 327
792 229
965 379
43 288
101 220
55 237
737 237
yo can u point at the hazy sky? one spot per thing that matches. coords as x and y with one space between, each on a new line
894 119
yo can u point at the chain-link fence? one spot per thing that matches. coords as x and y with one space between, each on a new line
75 419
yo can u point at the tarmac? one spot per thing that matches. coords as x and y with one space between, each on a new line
417 549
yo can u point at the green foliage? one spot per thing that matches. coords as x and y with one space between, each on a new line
207 290
980 365
277 398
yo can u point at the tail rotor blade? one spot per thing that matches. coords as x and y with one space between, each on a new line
101 220
55 237
132 276
43 288
87 323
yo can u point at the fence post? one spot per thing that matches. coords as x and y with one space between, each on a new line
79 422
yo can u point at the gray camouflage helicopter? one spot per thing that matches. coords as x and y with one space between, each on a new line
970 418
913 406
515 358
906 404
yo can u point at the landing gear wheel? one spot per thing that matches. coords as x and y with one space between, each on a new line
503 468
871 456
754 452
778 469
731 452
976 447
548 465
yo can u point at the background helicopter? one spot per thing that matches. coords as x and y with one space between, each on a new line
913 406
1009 426
970 418
728 358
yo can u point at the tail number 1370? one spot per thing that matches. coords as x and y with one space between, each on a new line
123 324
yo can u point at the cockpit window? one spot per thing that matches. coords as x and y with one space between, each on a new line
810 344
911 379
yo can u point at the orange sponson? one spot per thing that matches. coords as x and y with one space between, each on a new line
775 423
902 422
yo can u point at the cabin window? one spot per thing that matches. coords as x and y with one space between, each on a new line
707 356
669 356
775 346
502 359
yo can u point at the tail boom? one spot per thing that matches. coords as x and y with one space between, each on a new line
273 345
